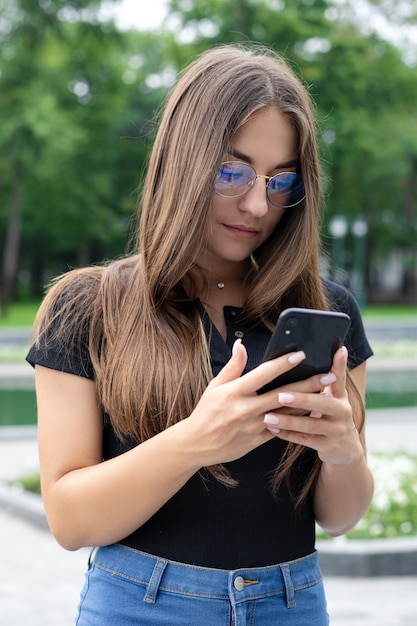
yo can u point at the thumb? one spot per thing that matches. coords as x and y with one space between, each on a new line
234 367
339 367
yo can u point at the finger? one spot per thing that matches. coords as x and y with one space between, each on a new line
296 429
338 387
308 385
317 402
272 422
267 371
234 367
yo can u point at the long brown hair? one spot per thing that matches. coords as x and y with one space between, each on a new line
147 343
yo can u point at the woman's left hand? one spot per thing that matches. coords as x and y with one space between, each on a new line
328 426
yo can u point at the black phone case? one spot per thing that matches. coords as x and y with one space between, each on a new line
318 333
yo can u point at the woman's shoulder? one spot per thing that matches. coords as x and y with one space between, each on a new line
73 298
339 297
84 284
73 306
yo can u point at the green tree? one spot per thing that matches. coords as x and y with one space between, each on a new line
30 117
73 105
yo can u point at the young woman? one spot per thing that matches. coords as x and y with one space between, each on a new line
201 494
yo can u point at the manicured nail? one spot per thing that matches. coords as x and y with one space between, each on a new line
273 430
235 348
328 379
297 357
285 397
271 419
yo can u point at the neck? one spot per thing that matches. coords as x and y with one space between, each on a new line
221 291
230 274
225 282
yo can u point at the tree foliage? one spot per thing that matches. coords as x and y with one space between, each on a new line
78 100
73 109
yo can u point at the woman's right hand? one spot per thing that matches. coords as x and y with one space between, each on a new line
228 421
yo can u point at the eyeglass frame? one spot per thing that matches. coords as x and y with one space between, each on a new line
253 180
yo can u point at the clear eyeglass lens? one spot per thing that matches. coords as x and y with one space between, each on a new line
234 178
286 190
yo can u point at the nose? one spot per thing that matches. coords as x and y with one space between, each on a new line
255 200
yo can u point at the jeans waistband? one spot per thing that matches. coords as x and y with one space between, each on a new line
158 573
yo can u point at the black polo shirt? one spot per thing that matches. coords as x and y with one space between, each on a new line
206 523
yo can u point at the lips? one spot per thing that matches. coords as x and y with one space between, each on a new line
239 230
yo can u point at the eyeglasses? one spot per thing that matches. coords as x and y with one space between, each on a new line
234 179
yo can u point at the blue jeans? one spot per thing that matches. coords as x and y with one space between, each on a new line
125 587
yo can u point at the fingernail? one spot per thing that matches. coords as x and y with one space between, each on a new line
345 351
327 379
285 397
271 419
297 357
235 348
273 430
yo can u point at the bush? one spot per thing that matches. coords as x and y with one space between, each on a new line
393 511
30 482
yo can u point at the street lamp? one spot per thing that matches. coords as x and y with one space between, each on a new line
338 227
359 232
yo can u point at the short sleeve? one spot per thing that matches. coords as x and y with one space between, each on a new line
66 352
356 341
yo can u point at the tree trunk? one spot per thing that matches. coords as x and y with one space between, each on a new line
11 250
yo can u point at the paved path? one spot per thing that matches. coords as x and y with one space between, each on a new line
39 581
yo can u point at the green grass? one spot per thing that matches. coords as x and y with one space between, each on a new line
19 314
376 312
12 354
23 313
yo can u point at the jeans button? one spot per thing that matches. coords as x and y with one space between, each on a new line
239 583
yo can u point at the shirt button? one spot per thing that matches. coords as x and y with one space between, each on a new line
238 334
233 312
239 583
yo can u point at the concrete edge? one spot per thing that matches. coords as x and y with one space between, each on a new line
339 557
19 433
366 558
28 506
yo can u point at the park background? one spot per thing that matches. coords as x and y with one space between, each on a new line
80 93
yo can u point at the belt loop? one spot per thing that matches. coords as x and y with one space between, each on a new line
289 587
155 581
91 556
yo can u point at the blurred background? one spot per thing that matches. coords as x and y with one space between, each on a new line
81 82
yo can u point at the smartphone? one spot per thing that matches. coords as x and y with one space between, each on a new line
318 333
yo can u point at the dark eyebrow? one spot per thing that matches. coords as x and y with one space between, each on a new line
245 157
